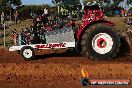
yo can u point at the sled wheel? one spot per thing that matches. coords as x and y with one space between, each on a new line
100 41
85 82
27 53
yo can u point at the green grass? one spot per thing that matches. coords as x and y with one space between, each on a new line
119 22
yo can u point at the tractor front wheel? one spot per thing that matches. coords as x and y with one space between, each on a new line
100 41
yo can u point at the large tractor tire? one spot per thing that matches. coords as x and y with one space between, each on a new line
100 41
27 53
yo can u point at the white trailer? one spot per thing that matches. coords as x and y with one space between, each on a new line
58 39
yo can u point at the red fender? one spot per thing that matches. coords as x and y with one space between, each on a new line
83 27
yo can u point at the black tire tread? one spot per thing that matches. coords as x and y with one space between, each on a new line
87 34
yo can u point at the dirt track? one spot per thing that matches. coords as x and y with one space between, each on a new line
59 71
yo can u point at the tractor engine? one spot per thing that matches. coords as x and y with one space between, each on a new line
91 14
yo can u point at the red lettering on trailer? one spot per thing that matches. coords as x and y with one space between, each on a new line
51 45
56 45
63 45
42 46
46 46
37 46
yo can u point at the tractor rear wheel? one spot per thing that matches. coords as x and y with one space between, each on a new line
100 41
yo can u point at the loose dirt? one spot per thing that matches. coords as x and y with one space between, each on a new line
59 70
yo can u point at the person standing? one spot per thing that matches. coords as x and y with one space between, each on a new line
46 12
19 39
122 13
2 18
14 32
78 14
42 37
15 39
15 16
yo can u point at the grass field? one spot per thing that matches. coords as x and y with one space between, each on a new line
119 22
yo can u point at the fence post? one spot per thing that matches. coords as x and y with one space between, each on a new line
58 9
4 34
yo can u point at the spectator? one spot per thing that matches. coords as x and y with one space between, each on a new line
19 39
15 16
23 37
122 13
14 32
2 18
117 12
28 34
125 13
78 14
46 12
130 13
42 37
62 23
32 15
129 20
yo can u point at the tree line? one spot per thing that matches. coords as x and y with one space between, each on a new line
9 6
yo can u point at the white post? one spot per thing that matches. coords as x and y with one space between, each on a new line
15 20
4 34
58 9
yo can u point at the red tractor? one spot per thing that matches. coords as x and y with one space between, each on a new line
95 38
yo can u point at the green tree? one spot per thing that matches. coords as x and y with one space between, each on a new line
66 2
117 2
130 8
85 1
6 4
56 1
26 10
16 2
71 2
